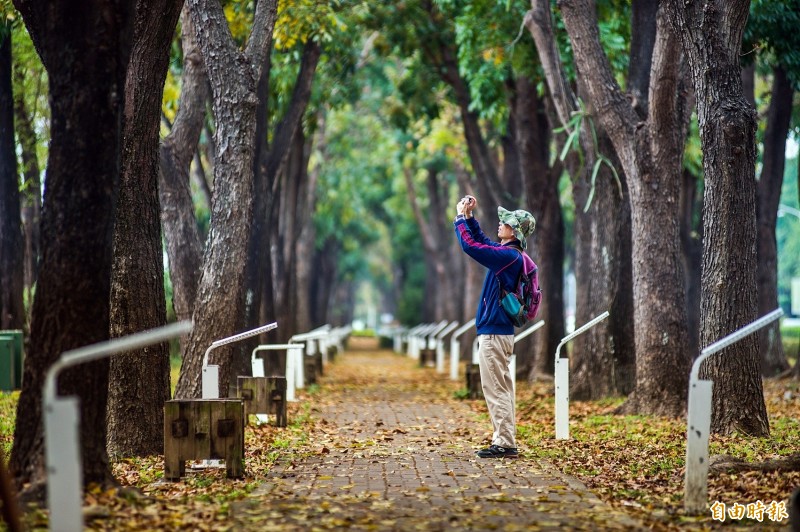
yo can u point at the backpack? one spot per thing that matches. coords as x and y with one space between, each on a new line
522 304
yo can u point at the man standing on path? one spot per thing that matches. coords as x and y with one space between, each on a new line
504 262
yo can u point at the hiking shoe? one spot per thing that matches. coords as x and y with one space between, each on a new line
495 451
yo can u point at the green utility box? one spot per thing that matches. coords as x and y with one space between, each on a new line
11 360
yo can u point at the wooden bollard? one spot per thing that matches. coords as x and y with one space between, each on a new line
263 395
332 351
310 369
318 362
203 429
427 357
276 402
474 389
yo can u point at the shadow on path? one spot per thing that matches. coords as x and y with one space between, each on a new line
392 450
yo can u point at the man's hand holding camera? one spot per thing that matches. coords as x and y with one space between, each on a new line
466 205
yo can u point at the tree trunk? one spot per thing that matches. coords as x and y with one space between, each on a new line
263 292
181 235
603 357
218 309
547 244
602 241
139 381
773 359
650 154
692 244
711 32
12 311
86 50
305 266
31 196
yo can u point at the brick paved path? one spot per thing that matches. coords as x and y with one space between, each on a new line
395 455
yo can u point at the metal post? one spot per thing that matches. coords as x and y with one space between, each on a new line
455 348
562 380
698 419
61 427
211 373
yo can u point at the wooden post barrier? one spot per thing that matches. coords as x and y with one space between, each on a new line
263 396
203 429
698 419
474 389
294 358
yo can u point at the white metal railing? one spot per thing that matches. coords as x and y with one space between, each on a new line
210 382
562 379
698 418
455 348
440 345
61 424
312 341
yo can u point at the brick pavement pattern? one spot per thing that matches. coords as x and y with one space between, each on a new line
408 463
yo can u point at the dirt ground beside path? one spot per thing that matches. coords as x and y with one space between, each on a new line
391 449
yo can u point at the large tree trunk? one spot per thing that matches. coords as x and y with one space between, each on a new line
139 381
773 359
650 154
218 310
85 50
262 303
603 356
711 32
181 235
547 244
12 311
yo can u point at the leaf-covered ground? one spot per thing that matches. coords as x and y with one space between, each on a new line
633 464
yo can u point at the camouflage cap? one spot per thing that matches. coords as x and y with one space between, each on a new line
522 222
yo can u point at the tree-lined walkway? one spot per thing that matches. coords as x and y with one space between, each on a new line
392 450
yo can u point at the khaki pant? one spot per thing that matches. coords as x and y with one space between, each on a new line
494 356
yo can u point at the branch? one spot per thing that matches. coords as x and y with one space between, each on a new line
612 108
285 130
260 40
539 22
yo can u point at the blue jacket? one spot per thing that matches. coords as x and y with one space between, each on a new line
503 261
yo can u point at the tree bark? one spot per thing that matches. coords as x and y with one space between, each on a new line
547 244
85 50
31 196
650 154
773 359
181 235
218 310
262 267
12 311
711 33
602 241
139 382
